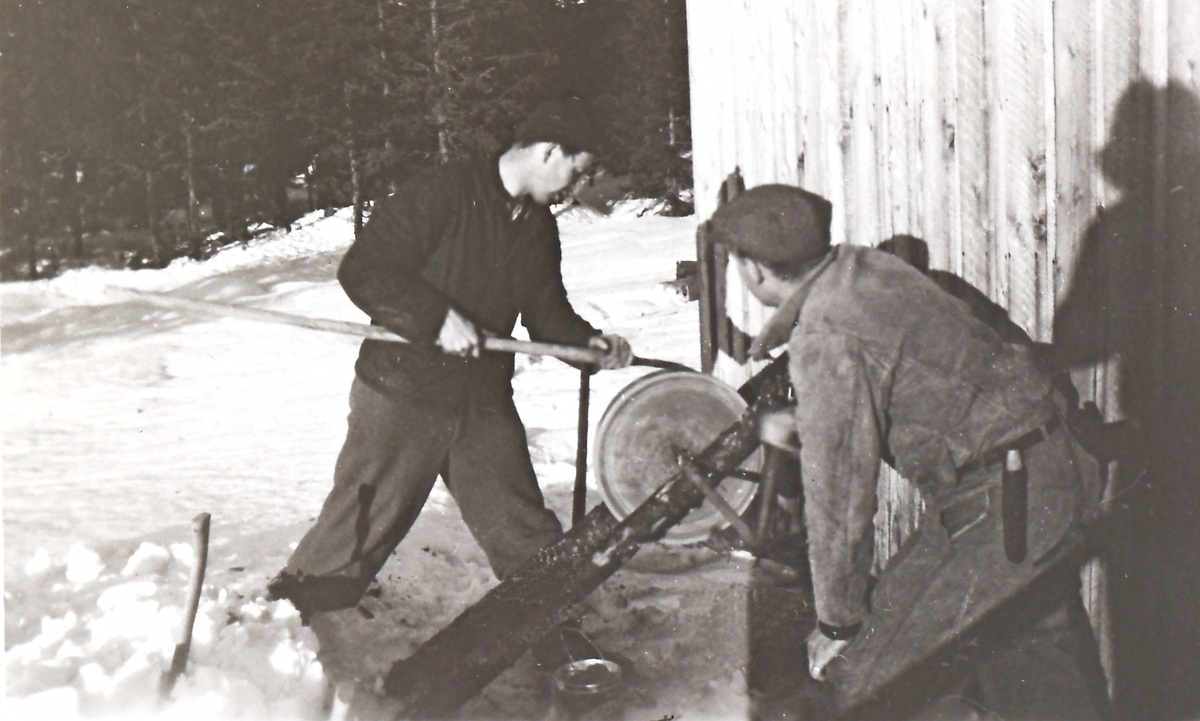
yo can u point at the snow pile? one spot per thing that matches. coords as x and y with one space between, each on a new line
311 234
110 633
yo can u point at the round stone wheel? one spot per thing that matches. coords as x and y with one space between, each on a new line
644 428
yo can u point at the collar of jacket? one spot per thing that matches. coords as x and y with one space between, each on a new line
778 328
517 207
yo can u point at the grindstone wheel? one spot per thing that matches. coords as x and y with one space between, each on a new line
644 428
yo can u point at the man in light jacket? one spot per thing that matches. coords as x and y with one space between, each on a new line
886 365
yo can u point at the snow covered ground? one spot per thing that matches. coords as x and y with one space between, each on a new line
122 422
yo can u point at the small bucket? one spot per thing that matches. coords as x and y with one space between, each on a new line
585 684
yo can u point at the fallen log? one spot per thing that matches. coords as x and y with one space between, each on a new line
460 660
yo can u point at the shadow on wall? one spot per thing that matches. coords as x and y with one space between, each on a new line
1134 302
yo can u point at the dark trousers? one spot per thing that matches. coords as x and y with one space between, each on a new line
394 452
952 581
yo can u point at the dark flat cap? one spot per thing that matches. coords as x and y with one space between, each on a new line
564 122
775 224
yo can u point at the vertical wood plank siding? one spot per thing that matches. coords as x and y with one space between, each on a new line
975 125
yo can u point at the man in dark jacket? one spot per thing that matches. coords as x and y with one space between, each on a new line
887 365
456 254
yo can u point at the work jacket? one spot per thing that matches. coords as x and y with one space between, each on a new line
453 237
887 364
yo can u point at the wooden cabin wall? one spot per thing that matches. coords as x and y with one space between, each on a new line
983 128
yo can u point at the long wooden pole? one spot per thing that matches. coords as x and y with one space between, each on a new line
568 353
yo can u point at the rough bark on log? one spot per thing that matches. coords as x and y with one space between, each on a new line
489 637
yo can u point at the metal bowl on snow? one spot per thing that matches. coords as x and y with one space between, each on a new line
589 676
645 426
580 686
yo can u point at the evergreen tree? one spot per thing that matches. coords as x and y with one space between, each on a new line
651 93
134 115
479 67
630 59
57 127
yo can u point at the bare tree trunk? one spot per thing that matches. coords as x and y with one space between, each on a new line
308 187
356 194
220 199
439 106
189 177
78 215
31 254
46 226
147 173
236 197
152 219
381 26
29 234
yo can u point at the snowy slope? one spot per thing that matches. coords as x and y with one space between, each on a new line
122 422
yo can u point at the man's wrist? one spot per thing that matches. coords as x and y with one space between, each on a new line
839 633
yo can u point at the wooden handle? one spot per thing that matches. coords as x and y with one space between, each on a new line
568 353
200 527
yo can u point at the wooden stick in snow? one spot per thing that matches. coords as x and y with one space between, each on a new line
200 526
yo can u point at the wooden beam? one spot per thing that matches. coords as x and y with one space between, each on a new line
489 637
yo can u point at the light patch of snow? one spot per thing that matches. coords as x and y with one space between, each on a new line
182 553
61 702
54 630
38 563
83 564
125 593
149 558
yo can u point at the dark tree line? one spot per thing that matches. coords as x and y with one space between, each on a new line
136 131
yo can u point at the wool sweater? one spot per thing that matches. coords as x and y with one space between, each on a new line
453 237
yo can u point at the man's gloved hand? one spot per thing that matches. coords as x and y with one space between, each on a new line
459 336
821 651
778 428
617 353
